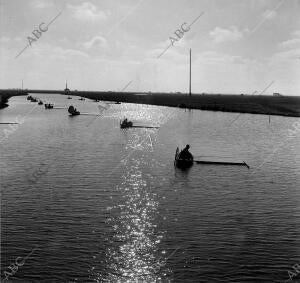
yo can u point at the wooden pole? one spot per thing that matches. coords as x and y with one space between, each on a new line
190 84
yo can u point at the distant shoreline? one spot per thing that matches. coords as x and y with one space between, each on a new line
253 104
267 105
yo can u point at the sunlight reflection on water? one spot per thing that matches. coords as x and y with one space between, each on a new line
133 251
136 255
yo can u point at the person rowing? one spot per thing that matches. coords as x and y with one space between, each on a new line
73 111
185 154
126 124
184 159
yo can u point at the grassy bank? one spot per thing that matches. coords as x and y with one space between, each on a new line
262 104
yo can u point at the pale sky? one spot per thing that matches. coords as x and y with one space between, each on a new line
238 46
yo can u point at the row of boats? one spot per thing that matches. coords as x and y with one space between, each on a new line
123 124
183 158
72 110
33 99
40 102
182 161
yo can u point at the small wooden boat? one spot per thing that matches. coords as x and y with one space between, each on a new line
81 98
214 160
40 102
73 111
69 97
29 97
125 124
33 99
182 163
48 106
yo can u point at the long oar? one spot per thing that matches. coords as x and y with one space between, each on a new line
8 123
222 163
148 127
200 156
90 114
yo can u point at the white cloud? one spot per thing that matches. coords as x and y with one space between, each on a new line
45 49
5 39
296 33
11 40
213 57
220 35
269 14
292 43
41 4
87 12
96 42
69 52
289 55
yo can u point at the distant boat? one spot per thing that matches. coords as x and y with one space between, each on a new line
125 124
33 99
29 97
69 97
118 102
40 102
48 106
73 111
81 98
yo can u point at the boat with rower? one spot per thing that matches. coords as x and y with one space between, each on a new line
125 124
212 160
48 106
73 111
182 163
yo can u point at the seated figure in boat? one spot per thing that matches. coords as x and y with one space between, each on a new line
126 124
185 154
73 111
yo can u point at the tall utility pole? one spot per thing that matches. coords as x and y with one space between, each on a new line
190 86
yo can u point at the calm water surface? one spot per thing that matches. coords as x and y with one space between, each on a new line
94 203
